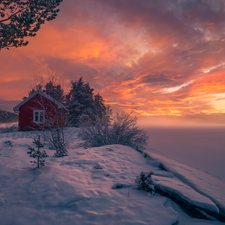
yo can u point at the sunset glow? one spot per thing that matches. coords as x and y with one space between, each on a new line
161 57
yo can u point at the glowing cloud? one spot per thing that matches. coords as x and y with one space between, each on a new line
177 88
164 57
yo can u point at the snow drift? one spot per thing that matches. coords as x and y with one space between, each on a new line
78 188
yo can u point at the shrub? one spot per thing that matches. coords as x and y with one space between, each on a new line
122 130
55 137
145 182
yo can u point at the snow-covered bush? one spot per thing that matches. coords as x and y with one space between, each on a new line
36 153
122 130
8 143
55 137
60 146
145 182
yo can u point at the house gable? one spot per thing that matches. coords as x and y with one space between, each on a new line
58 104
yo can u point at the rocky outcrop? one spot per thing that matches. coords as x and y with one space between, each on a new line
191 209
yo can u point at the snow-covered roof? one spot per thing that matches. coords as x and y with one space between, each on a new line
59 105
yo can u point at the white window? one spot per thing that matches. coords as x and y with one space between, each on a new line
39 116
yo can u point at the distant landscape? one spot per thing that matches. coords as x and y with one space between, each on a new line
8 117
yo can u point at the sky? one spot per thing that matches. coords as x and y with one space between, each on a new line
163 58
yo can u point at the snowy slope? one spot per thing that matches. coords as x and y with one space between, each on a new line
203 183
70 190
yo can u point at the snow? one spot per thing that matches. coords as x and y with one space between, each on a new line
205 184
73 190
59 105
185 192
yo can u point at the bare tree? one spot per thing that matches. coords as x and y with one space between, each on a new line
121 130
54 134
51 86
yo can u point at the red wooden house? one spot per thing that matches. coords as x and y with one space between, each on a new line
40 111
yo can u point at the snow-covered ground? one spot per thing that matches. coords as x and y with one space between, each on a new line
70 190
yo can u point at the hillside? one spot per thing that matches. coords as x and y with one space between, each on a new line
97 186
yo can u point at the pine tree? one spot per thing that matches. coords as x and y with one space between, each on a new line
36 153
102 111
39 86
99 103
51 88
54 90
80 103
20 19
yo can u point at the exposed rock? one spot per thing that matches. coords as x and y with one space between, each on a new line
191 209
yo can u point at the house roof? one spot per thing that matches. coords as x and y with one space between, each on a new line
59 105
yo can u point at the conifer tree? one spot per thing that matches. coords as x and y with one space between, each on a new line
51 88
54 90
37 153
80 103
99 103
22 18
102 111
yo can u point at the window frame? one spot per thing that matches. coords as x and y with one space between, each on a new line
39 116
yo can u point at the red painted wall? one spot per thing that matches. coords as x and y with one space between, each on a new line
53 116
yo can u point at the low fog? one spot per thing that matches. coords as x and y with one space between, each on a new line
195 141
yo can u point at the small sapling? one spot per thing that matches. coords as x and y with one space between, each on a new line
36 153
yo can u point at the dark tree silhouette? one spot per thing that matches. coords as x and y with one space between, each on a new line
54 90
103 111
22 18
80 103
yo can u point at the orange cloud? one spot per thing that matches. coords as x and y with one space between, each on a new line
163 60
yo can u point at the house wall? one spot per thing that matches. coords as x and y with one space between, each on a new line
53 116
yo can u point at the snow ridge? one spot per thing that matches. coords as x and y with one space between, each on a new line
205 185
